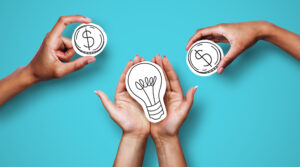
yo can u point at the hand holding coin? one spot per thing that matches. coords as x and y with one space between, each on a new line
52 60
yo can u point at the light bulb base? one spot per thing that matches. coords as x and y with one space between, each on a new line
155 111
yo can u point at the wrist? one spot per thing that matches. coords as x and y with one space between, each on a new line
135 136
164 138
163 133
28 77
265 30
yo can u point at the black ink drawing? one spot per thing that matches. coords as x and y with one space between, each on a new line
146 83
204 57
89 39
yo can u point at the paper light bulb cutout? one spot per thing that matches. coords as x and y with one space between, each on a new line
145 82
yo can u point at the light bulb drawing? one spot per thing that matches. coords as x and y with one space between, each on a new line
146 83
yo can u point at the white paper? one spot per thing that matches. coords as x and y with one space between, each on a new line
146 83
89 40
204 57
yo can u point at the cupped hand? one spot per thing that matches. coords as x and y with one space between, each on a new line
177 105
126 112
240 36
52 60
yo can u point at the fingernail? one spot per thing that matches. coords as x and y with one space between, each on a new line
196 87
95 91
221 69
86 19
91 60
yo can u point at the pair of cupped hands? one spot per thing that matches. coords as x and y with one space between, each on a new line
129 115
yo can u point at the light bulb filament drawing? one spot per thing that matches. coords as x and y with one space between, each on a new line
147 87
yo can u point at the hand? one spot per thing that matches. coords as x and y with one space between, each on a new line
129 115
177 105
126 112
240 36
52 59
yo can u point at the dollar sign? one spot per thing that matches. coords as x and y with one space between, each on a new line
199 56
85 35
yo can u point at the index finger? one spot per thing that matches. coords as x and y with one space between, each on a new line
63 21
202 33
121 84
171 74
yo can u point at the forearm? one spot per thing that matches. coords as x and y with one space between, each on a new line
15 83
131 150
286 40
169 151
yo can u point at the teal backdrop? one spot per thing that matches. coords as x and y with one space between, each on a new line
248 116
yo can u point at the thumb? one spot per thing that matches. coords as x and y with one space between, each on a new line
77 64
107 103
230 56
189 98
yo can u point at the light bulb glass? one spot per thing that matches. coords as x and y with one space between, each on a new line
146 83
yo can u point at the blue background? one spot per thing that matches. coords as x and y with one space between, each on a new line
249 116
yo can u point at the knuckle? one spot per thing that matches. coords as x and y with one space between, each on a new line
20 68
47 41
47 35
227 59
79 66
78 15
58 73
220 27
62 18
239 45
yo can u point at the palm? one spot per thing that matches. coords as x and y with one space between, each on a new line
130 114
174 118
126 112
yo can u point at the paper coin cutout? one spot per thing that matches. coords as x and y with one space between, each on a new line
89 39
204 57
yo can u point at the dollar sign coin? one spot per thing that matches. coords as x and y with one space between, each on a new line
204 57
89 39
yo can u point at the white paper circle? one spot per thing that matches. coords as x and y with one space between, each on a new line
204 57
89 39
